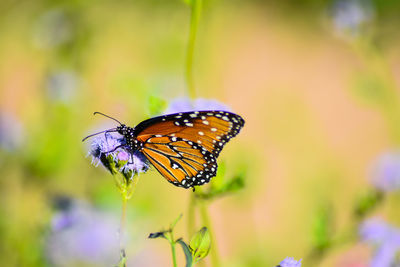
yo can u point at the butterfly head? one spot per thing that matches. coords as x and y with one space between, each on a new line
124 130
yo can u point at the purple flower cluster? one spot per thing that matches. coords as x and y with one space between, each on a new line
385 237
62 85
82 235
11 132
109 150
350 16
290 262
186 104
386 172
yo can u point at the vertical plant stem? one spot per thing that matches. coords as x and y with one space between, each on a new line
173 250
122 262
378 66
126 187
173 254
194 22
215 260
191 219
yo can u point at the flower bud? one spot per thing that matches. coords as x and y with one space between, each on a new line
200 244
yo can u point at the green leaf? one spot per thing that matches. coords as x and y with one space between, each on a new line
186 250
218 181
322 229
231 186
200 244
367 202
188 2
156 105
158 234
372 89
172 226
235 184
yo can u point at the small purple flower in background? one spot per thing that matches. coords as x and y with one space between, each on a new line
186 104
375 231
108 149
290 262
53 28
386 172
385 237
62 85
81 236
349 16
11 132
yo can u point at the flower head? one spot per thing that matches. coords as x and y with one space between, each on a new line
385 237
290 262
110 150
350 16
186 104
53 28
62 85
375 231
386 172
80 235
11 132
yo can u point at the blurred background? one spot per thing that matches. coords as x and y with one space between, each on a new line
316 81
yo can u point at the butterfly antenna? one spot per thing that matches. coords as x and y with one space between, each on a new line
106 131
106 116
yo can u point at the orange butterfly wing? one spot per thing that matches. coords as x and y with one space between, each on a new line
183 147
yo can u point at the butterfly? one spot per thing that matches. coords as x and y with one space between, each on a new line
184 146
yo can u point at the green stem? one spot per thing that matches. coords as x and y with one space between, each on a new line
194 22
173 255
122 261
173 243
191 215
377 65
215 260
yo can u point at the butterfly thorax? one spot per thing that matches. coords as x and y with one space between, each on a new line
130 137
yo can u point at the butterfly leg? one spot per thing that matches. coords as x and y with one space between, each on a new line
132 160
115 148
